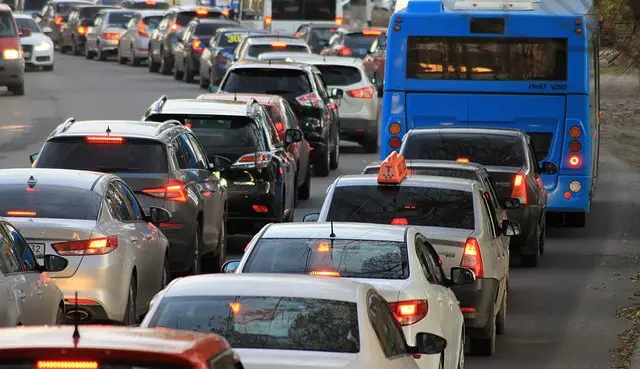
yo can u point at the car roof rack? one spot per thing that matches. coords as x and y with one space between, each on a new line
167 124
67 124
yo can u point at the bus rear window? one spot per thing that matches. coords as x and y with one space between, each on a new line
303 10
487 58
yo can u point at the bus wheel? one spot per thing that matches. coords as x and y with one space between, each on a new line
577 220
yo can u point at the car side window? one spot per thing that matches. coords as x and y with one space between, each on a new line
534 157
163 24
198 151
494 206
131 202
492 222
322 87
28 260
386 327
133 23
8 255
435 262
270 127
292 120
188 160
117 205
180 155
424 264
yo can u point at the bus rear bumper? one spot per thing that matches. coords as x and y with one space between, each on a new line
562 199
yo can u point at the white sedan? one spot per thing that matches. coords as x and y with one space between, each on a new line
291 321
36 46
398 261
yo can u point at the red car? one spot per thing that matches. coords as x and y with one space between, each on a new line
374 61
11 58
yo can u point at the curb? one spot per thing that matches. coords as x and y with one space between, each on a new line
635 358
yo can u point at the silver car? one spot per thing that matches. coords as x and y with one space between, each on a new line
134 42
28 295
117 259
103 38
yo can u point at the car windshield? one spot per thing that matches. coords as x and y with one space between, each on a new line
131 155
120 19
209 29
419 206
289 83
345 258
49 202
273 322
337 75
7 28
486 149
28 23
256 50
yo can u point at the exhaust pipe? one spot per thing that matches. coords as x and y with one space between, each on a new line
74 315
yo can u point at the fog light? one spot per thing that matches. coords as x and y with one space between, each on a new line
575 186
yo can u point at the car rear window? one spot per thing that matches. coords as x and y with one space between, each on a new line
345 258
256 50
485 149
132 155
185 17
209 29
359 41
440 172
66 8
89 12
228 39
7 29
109 2
49 202
419 206
120 19
34 4
323 33
266 322
152 22
289 83
337 75
319 10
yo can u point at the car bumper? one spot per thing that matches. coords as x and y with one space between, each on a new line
578 202
141 47
242 218
40 58
11 72
528 216
477 301
108 46
358 128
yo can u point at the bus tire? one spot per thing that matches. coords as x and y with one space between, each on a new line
576 220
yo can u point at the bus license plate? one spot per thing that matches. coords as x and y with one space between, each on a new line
38 250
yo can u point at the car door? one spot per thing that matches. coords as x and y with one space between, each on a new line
126 40
439 302
389 334
498 245
92 32
10 308
286 160
26 293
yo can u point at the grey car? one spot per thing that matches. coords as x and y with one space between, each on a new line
134 42
112 257
165 166
103 38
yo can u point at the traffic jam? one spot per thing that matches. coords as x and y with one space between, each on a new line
115 241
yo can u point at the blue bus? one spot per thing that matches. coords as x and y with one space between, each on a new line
529 65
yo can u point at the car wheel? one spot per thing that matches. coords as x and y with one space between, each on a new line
188 72
177 73
165 66
501 320
304 191
122 59
322 165
102 56
153 66
135 61
370 144
88 54
531 260
130 317
17 90
47 68
196 264
335 153
485 346
60 318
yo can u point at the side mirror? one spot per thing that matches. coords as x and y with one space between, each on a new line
511 203
337 93
510 228
292 135
460 276
428 344
230 266
47 30
25 32
213 89
548 168
158 215
33 157
313 217
54 263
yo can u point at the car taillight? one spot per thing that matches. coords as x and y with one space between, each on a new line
260 208
339 21
268 20
196 45
362 93
142 29
344 51
173 27
279 126
104 139
66 364
399 221
96 246
172 192
82 30
409 312
255 160
310 99
324 273
520 188
21 213
539 181
111 36
58 20
471 257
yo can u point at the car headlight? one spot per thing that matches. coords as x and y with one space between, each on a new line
44 46
10 54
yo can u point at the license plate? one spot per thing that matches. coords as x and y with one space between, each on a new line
362 51
27 55
38 249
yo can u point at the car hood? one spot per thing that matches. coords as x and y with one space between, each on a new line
35 39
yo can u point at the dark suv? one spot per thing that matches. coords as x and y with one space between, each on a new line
164 39
243 142
303 86
74 35
166 167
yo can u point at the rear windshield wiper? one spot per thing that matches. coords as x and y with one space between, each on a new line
116 169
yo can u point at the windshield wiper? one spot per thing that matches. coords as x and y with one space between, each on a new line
117 169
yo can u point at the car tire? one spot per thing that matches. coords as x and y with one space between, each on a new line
196 244
153 66
48 68
60 318
335 153
501 319
370 144
88 54
121 59
130 312
102 56
531 260
485 346
165 66
576 220
135 61
304 191
178 75
17 90
322 166
188 72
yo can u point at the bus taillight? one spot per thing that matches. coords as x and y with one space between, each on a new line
575 161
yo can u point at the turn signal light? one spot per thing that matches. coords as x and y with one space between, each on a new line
172 193
575 132
268 20
82 30
409 312
471 257
339 21
395 128
96 246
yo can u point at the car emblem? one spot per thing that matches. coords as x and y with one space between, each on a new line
32 182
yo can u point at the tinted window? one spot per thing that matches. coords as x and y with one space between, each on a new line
120 19
22 248
30 5
336 75
9 261
50 202
109 2
152 22
289 83
185 17
228 39
303 9
323 33
420 206
256 50
350 258
485 149
131 156
486 58
440 172
386 328
27 23
6 25
358 41
89 12
280 323
65 8
208 29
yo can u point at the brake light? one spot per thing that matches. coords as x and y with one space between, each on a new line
371 32
82 30
298 34
279 126
575 161
150 2
96 246
268 20
278 44
260 209
323 247
142 29
471 257
225 12
174 192
324 273
21 213
344 51
409 312
520 188
310 99
111 36
104 139
196 45
339 21
173 27
202 12
362 93
188 125
58 20
462 160
254 160
400 221
55 364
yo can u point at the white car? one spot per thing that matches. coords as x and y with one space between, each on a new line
277 321
36 47
397 261
359 105
254 46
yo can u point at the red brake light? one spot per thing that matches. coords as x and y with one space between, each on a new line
324 273
175 192
362 93
82 30
150 2
520 188
105 139
202 12
268 20
112 36
260 208
575 161
58 20
323 247
96 246
55 364
188 125
21 213
279 126
310 99
345 51
278 44
196 45
371 32
471 257
142 29
173 27
400 221
574 146
256 160
409 312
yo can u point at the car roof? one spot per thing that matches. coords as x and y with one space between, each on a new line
342 230
411 180
213 20
151 12
204 106
259 284
325 60
236 29
22 16
72 1
230 96
69 178
495 131
190 8
4 7
117 10
269 40
259 35
126 128
436 164
180 343
276 64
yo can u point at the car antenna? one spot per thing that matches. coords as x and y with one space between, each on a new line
235 96
108 131
76 332
332 235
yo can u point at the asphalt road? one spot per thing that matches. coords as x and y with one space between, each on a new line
560 315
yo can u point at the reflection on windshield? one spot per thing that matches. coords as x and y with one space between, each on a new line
24 23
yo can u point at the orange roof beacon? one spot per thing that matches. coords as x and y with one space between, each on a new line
393 169
110 347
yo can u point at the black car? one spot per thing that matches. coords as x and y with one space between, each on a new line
353 42
509 157
303 86
166 37
54 15
194 40
74 35
240 138
317 36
